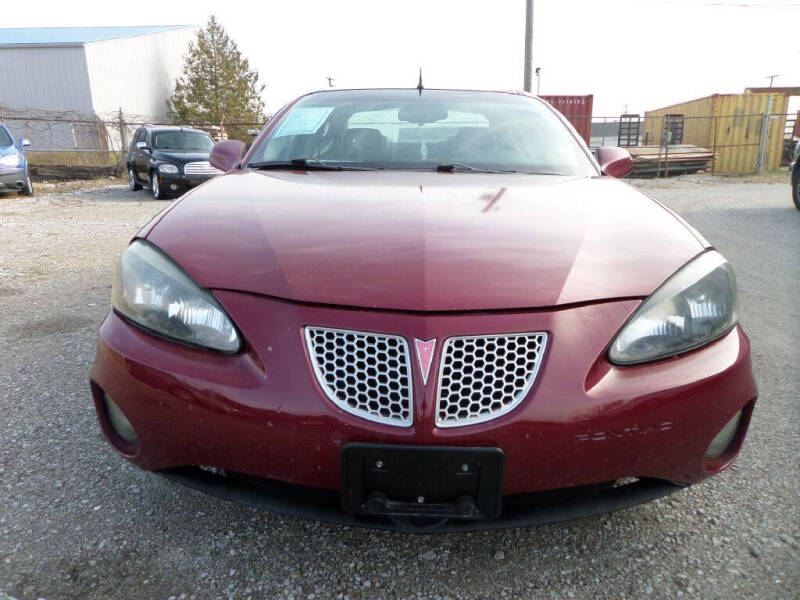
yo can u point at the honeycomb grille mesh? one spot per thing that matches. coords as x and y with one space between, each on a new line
365 374
484 377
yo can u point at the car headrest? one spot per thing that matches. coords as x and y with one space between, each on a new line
363 143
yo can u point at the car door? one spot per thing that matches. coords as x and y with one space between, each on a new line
143 156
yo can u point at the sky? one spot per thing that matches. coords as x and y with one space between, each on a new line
631 54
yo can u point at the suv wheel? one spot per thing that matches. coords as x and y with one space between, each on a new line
155 187
133 184
27 189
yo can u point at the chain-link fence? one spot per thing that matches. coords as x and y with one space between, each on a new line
672 144
76 145
69 145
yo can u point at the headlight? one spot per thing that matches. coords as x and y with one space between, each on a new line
165 168
692 308
152 291
9 160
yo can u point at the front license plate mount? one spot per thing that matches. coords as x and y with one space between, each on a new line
422 481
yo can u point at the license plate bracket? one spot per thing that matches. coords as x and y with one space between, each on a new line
422 481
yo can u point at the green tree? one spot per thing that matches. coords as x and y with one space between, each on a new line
217 87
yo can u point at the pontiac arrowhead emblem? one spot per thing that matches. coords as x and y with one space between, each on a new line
425 356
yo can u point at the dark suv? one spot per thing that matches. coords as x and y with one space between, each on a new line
169 159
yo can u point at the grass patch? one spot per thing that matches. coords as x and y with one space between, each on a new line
73 159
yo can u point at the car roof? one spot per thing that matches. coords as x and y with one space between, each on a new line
171 128
424 89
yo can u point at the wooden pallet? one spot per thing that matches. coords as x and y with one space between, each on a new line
674 160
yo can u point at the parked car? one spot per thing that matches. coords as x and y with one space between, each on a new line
423 310
794 170
169 160
13 164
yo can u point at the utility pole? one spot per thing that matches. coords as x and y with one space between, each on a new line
528 44
771 77
123 139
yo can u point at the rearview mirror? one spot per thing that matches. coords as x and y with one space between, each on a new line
614 161
227 154
23 142
422 111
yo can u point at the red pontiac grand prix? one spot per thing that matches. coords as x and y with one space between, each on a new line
426 310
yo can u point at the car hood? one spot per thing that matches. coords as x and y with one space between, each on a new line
420 241
4 150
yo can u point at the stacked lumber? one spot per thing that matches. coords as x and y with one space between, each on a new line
656 161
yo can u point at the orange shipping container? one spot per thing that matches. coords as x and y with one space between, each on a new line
577 110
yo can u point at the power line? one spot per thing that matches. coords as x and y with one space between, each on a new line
790 6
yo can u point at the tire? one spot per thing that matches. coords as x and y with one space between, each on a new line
133 183
155 187
27 189
796 190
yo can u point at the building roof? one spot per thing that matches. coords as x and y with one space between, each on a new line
75 35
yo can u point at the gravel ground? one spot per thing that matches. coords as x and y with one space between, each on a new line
76 521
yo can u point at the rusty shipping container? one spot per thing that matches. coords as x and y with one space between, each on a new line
577 110
728 124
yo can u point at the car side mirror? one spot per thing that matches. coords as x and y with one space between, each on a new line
23 142
253 132
614 161
227 154
142 146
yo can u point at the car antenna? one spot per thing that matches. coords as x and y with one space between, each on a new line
419 85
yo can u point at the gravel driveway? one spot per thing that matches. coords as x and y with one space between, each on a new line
76 521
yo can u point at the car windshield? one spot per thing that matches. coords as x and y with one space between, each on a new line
437 129
5 138
183 140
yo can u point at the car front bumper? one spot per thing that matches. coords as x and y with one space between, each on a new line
183 181
260 415
12 179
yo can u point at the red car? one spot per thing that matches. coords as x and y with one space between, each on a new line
424 310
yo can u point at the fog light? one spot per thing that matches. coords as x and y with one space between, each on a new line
119 421
724 438
173 187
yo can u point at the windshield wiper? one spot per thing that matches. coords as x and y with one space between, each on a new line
305 163
450 167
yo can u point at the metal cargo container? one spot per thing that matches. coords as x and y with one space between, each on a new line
730 125
577 110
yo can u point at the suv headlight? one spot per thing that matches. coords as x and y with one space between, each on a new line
693 307
9 160
154 292
166 168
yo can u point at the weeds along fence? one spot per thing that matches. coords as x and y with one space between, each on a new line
72 145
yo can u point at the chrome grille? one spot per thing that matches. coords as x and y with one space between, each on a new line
484 377
365 374
200 168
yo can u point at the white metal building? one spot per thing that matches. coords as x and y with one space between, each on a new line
90 70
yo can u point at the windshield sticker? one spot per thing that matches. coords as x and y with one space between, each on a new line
303 120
